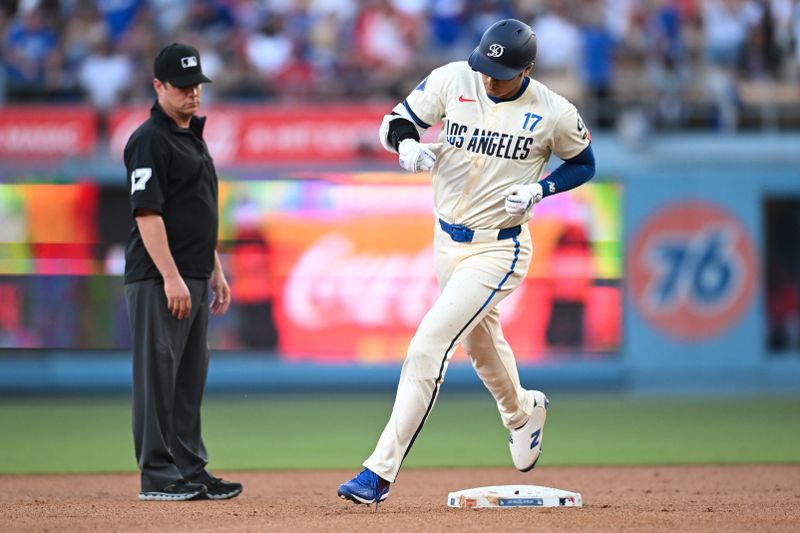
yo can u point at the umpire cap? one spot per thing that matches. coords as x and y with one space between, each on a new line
179 64
506 48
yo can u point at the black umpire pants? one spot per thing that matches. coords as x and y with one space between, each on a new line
170 364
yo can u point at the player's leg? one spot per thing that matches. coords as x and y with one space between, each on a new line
485 274
522 411
461 304
494 362
155 334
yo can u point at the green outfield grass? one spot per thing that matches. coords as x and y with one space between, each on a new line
246 432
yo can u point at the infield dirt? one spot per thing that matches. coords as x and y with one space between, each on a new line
669 498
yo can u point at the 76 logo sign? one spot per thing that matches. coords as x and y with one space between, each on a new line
692 270
703 270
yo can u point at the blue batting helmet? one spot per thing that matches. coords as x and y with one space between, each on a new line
506 48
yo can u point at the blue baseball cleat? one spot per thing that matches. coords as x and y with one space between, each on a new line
367 487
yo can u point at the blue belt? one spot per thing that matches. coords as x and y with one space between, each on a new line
461 233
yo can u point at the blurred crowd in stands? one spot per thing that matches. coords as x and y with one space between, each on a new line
673 62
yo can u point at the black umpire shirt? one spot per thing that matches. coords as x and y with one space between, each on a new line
171 172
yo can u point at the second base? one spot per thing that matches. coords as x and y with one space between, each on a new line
513 496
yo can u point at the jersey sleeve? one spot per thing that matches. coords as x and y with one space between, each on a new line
425 105
147 164
570 137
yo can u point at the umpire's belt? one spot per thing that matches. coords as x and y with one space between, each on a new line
461 233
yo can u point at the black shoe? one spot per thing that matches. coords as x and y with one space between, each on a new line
218 489
176 491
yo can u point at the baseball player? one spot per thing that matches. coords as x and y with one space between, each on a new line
499 129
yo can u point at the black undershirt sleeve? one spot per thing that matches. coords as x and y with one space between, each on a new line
399 130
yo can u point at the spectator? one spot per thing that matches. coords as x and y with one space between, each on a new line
725 27
665 64
325 42
83 30
119 15
447 25
670 58
212 19
598 66
558 63
619 14
31 57
169 15
384 37
140 43
105 74
796 39
384 49
483 14
270 48
782 14
346 9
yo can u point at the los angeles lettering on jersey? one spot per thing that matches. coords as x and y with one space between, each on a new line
487 142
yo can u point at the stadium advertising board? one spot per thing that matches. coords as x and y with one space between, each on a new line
299 134
47 132
320 269
693 270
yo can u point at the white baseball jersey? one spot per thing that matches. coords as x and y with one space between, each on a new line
488 146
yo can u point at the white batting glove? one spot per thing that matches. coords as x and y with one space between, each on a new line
415 157
520 198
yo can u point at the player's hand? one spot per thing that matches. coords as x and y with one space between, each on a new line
520 198
179 300
415 157
221 292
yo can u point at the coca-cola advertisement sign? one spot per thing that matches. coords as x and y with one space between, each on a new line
365 288
352 272
346 296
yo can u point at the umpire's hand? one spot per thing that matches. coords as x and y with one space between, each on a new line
179 301
221 292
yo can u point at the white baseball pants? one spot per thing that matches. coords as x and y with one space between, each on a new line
474 278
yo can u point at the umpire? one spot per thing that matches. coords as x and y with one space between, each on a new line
170 262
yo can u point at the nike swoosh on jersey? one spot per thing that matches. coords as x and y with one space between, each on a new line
462 99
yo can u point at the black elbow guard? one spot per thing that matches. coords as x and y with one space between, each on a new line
399 130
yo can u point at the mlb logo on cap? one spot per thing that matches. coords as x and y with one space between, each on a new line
179 64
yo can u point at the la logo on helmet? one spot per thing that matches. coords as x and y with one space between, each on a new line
496 50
